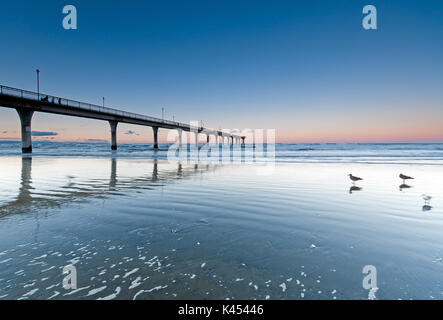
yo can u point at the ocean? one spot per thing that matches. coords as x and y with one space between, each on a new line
136 225
408 153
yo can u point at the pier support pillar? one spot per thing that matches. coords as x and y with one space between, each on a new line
155 129
243 141
196 138
207 138
25 120
113 125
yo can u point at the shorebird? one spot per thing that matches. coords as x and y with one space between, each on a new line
404 177
354 178
426 198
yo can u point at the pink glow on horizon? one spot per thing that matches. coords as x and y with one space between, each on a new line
376 138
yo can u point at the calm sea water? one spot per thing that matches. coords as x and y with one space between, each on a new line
136 226
429 153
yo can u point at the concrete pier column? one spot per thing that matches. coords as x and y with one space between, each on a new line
196 138
113 125
207 138
25 120
155 129
180 138
243 141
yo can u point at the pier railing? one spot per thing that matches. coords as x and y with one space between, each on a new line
54 100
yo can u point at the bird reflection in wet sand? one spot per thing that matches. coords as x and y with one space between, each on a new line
404 186
354 188
426 207
404 178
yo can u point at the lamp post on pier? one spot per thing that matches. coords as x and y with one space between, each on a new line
38 83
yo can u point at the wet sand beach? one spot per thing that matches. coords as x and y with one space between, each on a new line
151 229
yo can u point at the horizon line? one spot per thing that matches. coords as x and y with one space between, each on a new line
151 142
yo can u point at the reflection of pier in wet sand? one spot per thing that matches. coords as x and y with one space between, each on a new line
30 197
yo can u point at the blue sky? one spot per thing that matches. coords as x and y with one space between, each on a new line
306 68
